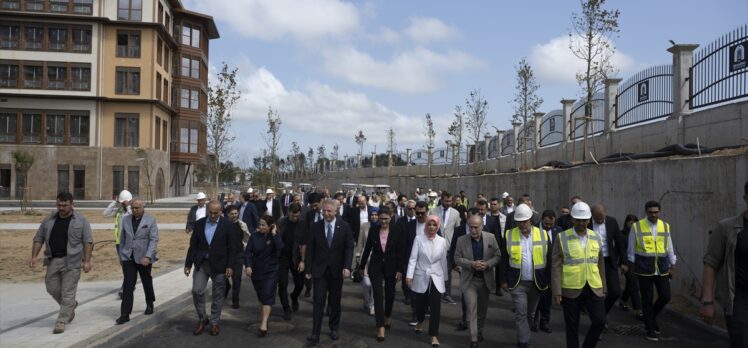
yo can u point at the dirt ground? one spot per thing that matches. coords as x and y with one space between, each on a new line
93 216
15 252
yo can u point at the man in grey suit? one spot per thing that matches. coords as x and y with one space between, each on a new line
137 253
477 254
450 219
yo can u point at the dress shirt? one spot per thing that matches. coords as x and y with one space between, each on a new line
241 210
200 212
445 215
420 228
318 215
477 253
600 230
527 270
340 210
363 215
269 205
549 234
631 252
210 229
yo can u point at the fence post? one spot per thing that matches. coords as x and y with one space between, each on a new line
682 62
566 105
538 120
373 159
407 156
611 91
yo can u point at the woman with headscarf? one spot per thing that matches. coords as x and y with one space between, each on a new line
427 270
383 244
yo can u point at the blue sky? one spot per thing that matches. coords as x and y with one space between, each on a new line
332 67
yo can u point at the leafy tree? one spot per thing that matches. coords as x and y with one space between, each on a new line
457 129
428 131
24 162
476 110
360 140
222 98
272 139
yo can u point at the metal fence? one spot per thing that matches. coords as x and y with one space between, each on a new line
720 70
597 123
526 138
646 96
507 143
551 128
494 147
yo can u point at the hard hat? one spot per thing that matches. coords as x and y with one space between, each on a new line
249 190
522 213
581 211
269 191
505 195
433 194
124 196
201 195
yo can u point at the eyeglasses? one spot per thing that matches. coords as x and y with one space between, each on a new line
653 212
420 213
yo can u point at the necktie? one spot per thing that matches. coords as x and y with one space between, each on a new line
329 235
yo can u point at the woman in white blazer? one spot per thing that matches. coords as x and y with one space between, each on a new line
427 269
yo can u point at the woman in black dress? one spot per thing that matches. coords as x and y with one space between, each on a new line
383 244
261 261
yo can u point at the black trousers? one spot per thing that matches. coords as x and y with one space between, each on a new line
432 299
595 307
131 270
613 283
650 310
327 287
409 294
284 267
631 290
737 323
236 282
382 306
543 312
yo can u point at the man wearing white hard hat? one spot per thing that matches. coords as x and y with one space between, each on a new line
273 205
197 212
119 208
526 269
578 277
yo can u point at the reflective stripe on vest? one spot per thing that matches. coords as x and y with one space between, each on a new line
580 266
649 245
539 248
117 218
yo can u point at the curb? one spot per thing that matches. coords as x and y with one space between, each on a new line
691 319
118 335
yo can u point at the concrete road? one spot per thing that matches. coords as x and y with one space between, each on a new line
358 328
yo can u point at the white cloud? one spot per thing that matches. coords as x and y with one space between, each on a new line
554 62
424 30
277 19
414 71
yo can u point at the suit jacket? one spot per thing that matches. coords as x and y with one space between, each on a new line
139 243
276 211
346 215
309 217
616 241
557 263
354 219
192 217
383 263
339 256
453 220
425 266
225 205
250 217
284 206
464 257
492 226
219 254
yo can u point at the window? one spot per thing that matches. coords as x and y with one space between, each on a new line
79 182
186 66
552 124
126 131
8 122
191 35
83 7
34 5
159 47
58 38
188 136
127 81
190 98
56 76
58 6
166 57
79 128
5 181
157 130
133 179
160 13
190 67
158 86
11 5
128 43
33 37
9 75
129 10
80 78
167 22
32 76
165 95
10 35
118 180
164 135
193 137
55 128
63 178
32 124
81 39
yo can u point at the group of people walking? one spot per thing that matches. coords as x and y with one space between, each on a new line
494 246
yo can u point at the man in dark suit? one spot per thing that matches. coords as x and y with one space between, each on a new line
614 250
565 221
343 209
230 201
248 213
543 313
212 253
197 212
410 214
329 254
272 205
357 215
286 199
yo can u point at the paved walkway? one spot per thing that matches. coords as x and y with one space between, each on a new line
104 226
28 313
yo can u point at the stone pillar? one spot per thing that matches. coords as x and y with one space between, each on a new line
389 158
611 91
568 122
345 162
500 139
373 159
360 160
408 152
455 160
538 116
430 157
515 128
682 62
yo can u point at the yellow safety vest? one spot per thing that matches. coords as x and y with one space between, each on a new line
117 218
651 251
539 250
580 266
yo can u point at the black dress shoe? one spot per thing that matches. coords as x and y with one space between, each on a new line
295 303
380 338
123 319
406 301
461 326
287 314
534 327
334 335
262 333
308 293
545 328
313 339
148 309
235 305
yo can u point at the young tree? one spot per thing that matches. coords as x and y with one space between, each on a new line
360 140
222 97
526 103
334 155
272 139
296 157
146 162
591 41
24 161
476 110
457 129
428 131
310 159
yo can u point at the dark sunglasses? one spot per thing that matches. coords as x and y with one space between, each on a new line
420 213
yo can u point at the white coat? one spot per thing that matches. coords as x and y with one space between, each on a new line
426 265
